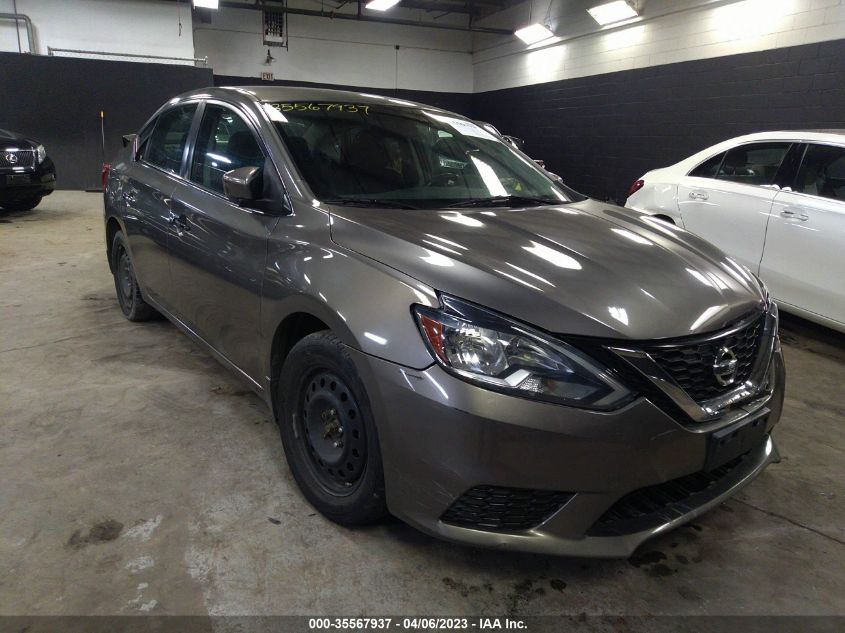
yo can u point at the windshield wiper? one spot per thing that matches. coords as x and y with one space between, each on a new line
496 201
370 202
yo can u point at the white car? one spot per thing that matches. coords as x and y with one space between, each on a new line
775 202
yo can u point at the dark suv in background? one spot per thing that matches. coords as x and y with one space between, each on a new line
26 172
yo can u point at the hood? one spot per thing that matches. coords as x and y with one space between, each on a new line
8 138
588 269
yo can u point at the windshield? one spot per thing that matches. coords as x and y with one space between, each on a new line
412 157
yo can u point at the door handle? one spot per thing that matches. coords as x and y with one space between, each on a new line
792 213
698 195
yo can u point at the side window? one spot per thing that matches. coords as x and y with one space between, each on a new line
823 172
753 164
224 143
167 142
709 168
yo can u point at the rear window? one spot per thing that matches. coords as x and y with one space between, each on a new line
167 143
709 168
753 164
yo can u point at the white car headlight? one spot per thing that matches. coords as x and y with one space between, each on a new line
41 151
496 352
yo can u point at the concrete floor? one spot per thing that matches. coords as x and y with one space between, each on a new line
139 476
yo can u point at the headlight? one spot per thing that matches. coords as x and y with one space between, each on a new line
42 153
491 350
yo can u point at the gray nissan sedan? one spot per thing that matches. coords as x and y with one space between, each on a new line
442 330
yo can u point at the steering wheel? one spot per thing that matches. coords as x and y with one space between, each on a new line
446 179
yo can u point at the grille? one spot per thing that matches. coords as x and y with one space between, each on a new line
504 509
26 158
656 505
691 365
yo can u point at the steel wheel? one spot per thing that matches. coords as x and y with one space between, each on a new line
129 296
125 278
332 432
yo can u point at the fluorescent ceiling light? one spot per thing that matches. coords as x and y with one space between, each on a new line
613 12
381 5
207 4
533 33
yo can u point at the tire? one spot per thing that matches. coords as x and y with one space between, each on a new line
126 286
328 432
23 204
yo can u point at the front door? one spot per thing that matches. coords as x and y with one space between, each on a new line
803 263
218 248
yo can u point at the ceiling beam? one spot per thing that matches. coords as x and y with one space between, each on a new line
369 18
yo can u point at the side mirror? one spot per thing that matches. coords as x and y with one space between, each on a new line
243 184
129 139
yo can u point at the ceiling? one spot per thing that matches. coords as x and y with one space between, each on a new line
473 8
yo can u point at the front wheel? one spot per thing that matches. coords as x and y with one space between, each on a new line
132 304
328 432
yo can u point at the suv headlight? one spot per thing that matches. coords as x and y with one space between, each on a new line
41 151
491 350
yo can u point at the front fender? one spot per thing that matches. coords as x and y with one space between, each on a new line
365 303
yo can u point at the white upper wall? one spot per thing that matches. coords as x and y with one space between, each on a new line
691 29
337 51
360 53
135 27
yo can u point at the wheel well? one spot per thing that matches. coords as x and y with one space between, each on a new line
665 218
290 331
112 227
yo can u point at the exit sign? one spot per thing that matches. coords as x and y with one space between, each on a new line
266 76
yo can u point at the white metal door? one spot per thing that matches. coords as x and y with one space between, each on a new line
731 215
804 259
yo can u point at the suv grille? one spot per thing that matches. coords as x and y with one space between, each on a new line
25 158
504 509
691 365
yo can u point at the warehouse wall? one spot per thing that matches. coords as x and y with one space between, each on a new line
672 31
602 132
118 26
35 100
341 52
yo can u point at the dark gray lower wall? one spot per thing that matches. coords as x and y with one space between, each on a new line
57 101
454 101
600 133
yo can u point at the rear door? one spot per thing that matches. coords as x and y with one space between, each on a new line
727 199
146 190
804 259
218 248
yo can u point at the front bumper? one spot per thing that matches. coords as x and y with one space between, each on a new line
442 437
21 183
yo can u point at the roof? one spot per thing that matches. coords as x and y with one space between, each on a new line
808 136
299 93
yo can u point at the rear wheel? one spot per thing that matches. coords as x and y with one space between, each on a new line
22 204
132 304
328 432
